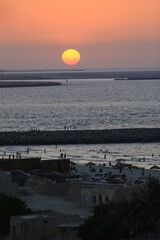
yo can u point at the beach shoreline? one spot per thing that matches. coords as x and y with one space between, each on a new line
80 74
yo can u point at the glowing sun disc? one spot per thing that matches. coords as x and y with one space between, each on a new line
71 57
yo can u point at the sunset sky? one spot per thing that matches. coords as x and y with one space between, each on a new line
107 33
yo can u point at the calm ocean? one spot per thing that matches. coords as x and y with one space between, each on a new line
81 104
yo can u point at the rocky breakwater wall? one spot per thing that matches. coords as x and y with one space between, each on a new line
81 136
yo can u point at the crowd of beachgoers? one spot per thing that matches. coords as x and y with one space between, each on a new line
122 171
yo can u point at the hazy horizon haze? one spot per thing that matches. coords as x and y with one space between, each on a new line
108 34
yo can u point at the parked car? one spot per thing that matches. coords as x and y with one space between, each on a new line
140 180
121 175
99 175
56 176
38 172
16 172
116 180
19 177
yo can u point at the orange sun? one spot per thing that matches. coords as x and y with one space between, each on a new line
71 57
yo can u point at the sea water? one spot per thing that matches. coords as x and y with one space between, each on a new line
84 104
135 153
81 104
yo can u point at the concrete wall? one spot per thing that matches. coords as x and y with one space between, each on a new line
81 136
56 165
24 164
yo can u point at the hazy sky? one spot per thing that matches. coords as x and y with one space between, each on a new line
107 33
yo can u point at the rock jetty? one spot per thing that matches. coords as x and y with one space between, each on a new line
5 84
141 135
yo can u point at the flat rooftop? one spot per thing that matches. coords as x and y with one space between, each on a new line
62 205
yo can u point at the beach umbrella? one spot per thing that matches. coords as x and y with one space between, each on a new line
72 163
121 159
155 167
90 164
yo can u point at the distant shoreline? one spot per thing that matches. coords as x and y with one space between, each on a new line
57 75
144 78
5 84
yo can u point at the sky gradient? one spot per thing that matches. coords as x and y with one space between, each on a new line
107 33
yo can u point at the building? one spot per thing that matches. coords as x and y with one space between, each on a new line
38 227
61 165
32 227
25 164
91 194
69 231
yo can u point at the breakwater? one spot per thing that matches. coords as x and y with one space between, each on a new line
135 135
6 84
